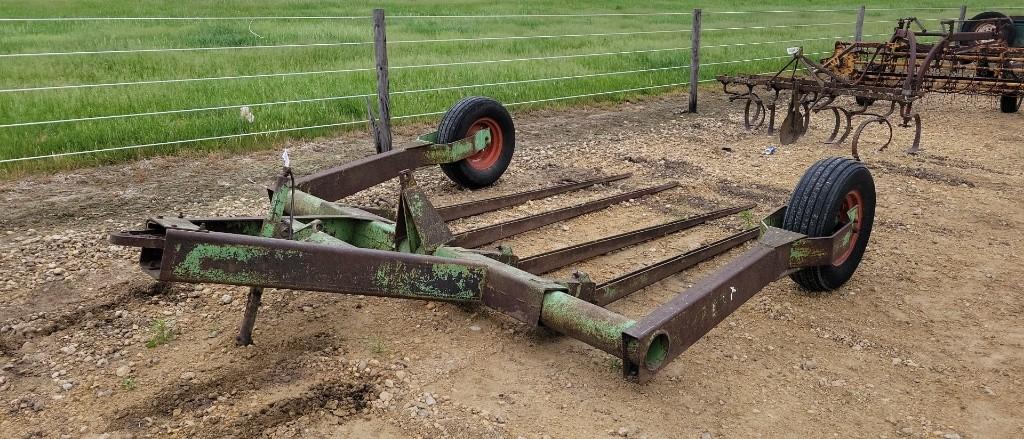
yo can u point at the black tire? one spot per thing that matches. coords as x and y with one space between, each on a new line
1009 104
815 210
484 168
1005 24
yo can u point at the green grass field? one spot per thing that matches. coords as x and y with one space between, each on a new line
20 72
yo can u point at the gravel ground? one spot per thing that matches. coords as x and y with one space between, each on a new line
925 341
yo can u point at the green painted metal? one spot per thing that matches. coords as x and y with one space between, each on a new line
282 195
438 153
196 264
428 138
359 228
801 250
590 323
446 281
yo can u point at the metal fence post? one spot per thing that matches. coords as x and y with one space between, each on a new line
694 60
380 45
963 14
858 33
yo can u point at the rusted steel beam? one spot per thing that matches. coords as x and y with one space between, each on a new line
489 234
627 284
554 259
341 181
210 257
471 208
673 327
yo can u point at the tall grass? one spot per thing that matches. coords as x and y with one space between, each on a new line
65 36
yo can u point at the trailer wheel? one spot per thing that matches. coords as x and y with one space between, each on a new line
464 119
1009 103
990 21
828 191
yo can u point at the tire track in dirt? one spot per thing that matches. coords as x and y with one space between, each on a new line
278 369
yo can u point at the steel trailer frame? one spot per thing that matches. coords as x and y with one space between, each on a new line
309 243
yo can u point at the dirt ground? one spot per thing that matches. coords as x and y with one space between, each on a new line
926 340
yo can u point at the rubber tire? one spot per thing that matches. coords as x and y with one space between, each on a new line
813 211
1009 104
969 25
454 126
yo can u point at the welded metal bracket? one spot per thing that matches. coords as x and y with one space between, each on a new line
419 228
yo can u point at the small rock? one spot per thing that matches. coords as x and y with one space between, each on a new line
69 349
427 398
123 371
623 431
188 376
474 328
67 386
809 365
401 374
226 299
385 396
951 436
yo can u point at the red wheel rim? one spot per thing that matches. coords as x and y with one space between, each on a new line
487 157
851 201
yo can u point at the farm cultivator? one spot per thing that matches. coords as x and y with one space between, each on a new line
885 79
309 242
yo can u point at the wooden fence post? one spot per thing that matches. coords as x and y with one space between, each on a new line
694 60
380 45
858 33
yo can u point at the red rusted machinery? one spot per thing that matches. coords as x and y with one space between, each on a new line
876 81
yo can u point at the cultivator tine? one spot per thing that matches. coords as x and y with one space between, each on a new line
471 208
489 234
627 284
555 259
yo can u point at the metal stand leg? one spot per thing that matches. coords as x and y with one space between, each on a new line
252 305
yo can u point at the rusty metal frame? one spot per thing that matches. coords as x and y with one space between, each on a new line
308 243
886 78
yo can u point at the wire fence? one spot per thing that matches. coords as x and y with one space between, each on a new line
57 103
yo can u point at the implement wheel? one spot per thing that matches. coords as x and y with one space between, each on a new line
1009 103
990 21
463 120
832 192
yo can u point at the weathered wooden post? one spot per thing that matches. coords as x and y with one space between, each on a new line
380 45
694 60
858 33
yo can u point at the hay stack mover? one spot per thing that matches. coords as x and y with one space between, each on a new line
308 241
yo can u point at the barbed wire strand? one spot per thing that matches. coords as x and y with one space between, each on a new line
331 98
174 142
489 16
231 136
268 75
355 43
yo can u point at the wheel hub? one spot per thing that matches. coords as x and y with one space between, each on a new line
852 209
487 157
